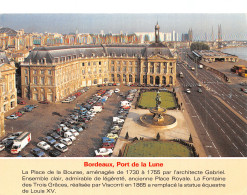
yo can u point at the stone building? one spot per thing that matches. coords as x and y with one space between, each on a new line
8 95
52 73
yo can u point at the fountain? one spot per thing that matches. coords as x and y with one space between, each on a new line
157 118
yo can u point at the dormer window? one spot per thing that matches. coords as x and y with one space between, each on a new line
93 54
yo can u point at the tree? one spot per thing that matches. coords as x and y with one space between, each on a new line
190 139
199 46
127 136
158 136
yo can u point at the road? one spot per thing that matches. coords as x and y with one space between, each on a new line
221 132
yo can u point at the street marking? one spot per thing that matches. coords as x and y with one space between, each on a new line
241 154
240 139
240 112
235 145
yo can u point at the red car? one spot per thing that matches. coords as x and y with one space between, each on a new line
114 84
44 102
108 145
21 102
19 114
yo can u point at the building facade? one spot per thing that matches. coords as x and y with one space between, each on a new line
8 94
53 73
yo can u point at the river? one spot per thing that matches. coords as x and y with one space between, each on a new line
241 52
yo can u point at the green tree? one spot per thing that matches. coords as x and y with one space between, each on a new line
199 46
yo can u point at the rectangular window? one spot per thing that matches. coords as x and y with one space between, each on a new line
130 69
124 68
49 80
112 62
124 62
35 80
25 71
42 72
42 80
83 71
10 85
26 80
130 62
118 62
170 63
34 71
94 63
49 72
112 68
88 63
135 63
118 68
82 64
136 69
99 62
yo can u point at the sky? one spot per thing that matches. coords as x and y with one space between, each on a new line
234 26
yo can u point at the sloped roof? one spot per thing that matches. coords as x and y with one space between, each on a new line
114 50
4 57
8 31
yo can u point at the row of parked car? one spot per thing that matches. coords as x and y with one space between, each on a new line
72 125
109 140
20 112
58 140
75 95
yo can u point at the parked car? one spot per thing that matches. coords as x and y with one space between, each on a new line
8 143
117 90
37 152
243 89
49 140
199 90
103 151
21 102
43 145
188 91
67 101
108 140
54 153
19 114
61 147
16 134
112 136
2 147
44 102
54 135
74 132
108 145
12 117
66 141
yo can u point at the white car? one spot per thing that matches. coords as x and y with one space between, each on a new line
199 85
117 90
188 91
66 141
61 147
2 147
67 101
43 145
12 117
75 133
103 152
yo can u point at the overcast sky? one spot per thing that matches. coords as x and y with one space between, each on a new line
234 26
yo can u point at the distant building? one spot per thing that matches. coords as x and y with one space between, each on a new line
53 73
185 37
168 36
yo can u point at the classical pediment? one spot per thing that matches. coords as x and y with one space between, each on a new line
6 67
158 57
